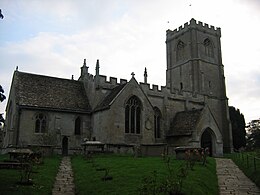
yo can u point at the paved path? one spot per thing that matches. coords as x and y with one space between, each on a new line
64 180
231 179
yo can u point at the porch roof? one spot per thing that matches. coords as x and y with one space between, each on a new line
184 123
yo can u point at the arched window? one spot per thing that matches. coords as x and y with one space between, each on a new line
40 123
208 48
77 126
181 86
133 116
180 51
157 123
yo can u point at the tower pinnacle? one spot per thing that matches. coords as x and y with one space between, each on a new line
145 75
84 69
97 68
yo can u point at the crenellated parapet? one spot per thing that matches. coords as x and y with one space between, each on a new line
103 81
163 91
193 24
110 81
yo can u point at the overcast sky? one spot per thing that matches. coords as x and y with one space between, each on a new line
53 37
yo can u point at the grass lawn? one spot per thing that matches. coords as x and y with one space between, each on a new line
128 172
43 179
245 161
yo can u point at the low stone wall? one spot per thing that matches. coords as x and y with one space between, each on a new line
120 148
153 149
181 152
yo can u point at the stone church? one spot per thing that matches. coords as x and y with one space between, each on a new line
190 110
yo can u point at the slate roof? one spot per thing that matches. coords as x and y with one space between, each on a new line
184 123
50 93
105 104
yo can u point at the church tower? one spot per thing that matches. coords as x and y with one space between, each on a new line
194 61
194 64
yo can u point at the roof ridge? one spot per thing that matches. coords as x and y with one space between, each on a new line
46 76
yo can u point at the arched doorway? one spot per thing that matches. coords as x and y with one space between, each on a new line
206 140
65 146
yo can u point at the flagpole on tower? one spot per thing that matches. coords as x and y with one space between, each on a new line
190 5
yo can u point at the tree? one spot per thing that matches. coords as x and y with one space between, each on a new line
1 15
238 127
253 137
2 98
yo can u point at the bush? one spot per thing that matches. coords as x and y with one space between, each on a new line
171 184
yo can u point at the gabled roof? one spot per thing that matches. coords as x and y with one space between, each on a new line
105 104
184 123
52 93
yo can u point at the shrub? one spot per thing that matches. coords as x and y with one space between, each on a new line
171 184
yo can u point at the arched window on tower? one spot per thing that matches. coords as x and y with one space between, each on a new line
77 126
180 51
40 123
208 48
133 116
157 123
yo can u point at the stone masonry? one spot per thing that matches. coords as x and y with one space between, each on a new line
64 180
231 179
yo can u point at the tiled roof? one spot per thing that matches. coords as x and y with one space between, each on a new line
184 123
105 104
50 93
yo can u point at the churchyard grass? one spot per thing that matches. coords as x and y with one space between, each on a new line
43 178
128 173
249 163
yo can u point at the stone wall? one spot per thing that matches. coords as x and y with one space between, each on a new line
59 124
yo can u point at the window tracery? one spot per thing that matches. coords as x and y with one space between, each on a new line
133 116
40 123
157 123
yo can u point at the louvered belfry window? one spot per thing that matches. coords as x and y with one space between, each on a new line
208 48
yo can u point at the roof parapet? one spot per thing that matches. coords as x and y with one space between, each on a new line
193 24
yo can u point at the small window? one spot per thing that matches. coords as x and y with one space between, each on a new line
181 86
157 123
77 126
208 48
40 123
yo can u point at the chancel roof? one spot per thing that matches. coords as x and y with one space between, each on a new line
184 123
50 93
